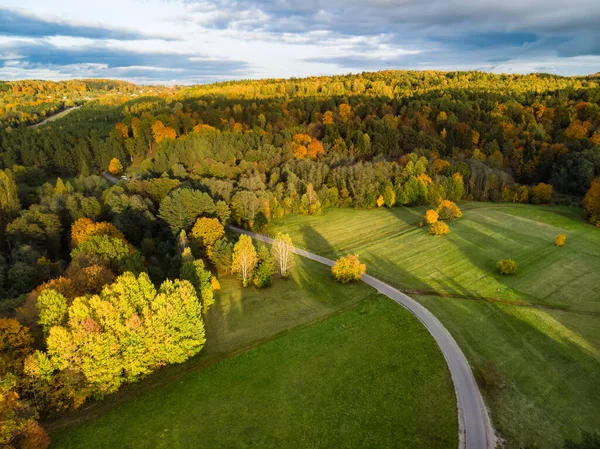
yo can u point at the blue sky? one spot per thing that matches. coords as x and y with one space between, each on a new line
172 41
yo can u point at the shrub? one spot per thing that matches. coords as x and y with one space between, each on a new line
541 194
431 216
348 269
449 210
507 266
439 228
560 240
591 203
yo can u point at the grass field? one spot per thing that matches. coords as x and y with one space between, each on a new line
307 363
547 357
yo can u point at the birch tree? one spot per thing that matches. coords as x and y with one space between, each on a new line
244 259
283 253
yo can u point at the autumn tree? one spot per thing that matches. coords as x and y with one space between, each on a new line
431 216
439 228
283 253
347 269
448 210
117 337
161 132
244 259
52 309
18 426
207 231
115 167
15 345
541 193
84 228
591 203
560 240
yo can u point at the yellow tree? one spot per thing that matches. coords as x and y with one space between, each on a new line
348 269
244 259
207 231
115 166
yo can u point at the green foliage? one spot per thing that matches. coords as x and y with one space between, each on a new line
221 255
181 208
37 227
263 277
589 440
9 198
200 277
111 252
507 266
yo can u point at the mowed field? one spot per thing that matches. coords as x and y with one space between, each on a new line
535 334
307 363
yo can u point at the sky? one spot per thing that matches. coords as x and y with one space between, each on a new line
189 41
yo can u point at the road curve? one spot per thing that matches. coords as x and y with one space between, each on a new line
474 426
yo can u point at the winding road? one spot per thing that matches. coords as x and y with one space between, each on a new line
475 429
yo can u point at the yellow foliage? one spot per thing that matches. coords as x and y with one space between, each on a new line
560 240
207 231
115 166
431 216
439 228
448 210
380 201
84 228
425 179
348 269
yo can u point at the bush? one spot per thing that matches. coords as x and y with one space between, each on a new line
507 266
348 269
541 194
560 240
431 216
439 228
448 210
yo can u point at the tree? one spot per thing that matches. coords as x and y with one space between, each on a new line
591 203
52 309
117 337
37 227
380 201
207 231
507 266
348 269
283 253
182 207
84 228
15 345
221 255
9 198
560 240
18 428
541 193
115 166
244 259
109 251
448 210
457 187
266 267
200 278
431 216
439 228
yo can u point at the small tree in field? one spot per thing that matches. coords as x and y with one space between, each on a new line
439 228
115 166
431 216
244 259
348 269
560 240
507 266
283 253
448 210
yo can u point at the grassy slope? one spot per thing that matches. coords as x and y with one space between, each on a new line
548 359
348 368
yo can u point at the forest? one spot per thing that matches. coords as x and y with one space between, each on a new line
79 254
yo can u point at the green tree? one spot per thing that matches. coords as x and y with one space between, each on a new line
200 277
181 208
266 267
9 198
221 255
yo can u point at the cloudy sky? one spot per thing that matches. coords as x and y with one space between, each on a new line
172 41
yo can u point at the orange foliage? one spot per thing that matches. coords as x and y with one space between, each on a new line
162 132
302 139
328 118
84 228
199 128
425 179
122 130
578 129
448 210
115 166
439 166
315 148
345 111
300 151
